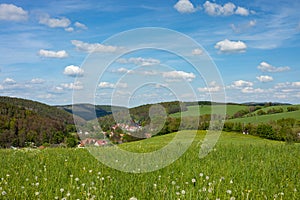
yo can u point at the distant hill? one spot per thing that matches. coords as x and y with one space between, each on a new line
87 111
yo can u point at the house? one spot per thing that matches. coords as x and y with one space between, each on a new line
100 143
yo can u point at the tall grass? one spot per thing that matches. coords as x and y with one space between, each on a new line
240 167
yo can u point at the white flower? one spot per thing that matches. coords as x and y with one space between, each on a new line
193 180
228 191
3 193
36 193
76 179
61 190
154 185
37 184
207 177
68 194
231 181
90 171
201 174
133 198
71 175
183 192
232 198
210 190
173 182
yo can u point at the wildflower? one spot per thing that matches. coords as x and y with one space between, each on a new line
133 198
228 191
183 192
71 175
61 190
37 184
76 179
56 197
99 173
177 193
231 181
154 185
201 174
68 194
295 190
111 196
207 177
281 193
173 182
193 180
186 183
232 198
90 171
204 189
210 190
3 193
36 193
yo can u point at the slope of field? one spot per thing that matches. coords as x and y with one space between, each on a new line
239 167
268 117
206 109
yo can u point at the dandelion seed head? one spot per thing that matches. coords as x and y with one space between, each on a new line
228 191
183 192
201 174
62 190
133 198
173 182
3 193
193 180
36 193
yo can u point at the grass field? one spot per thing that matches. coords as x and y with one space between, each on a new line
240 167
206 109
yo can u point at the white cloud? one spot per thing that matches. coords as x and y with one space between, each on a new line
213 87
242 11
227 46
46 96
80 25
265 79
252 90
73 71
55 22
1 87
139 61
10 12
73 86
37 81
240 84
112 85
9 81
265 67
122 70
197 51
69 29
184 6
53 54
179 75
229 8
94 47
252 23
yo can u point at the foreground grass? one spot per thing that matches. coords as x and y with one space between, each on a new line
240 167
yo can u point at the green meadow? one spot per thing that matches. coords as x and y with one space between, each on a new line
239 167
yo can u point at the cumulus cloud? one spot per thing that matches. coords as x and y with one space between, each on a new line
265 79
73 71
10 12
184 6
53 54
9 81
112 85
73 86
122 70
227 9
240 84
139 61
94 47
197 51
266 67
227 46
242 11
80 25
69 29
62 22
252 90
212 87
175 75
37 81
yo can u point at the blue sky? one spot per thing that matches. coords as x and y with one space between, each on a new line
254 44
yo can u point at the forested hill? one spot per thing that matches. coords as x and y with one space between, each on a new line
24 122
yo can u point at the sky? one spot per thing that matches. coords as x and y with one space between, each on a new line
252 50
